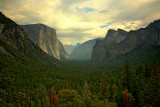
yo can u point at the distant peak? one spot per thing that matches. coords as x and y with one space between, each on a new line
111 30
121 29
158 20
38 25
155 23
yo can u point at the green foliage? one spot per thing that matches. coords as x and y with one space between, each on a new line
69 98
112 91
25 82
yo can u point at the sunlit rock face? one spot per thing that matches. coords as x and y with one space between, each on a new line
120 42
45 37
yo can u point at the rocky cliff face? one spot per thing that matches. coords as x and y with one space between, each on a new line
112 38
45 37
143 37
84 51
14 36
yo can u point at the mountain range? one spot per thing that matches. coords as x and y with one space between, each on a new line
120 42
70 48
36 40
84 51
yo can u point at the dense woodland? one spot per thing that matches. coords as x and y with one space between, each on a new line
24 82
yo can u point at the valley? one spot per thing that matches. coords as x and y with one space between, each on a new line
121 70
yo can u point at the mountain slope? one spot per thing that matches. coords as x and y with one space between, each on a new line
84 51
12 36
112 38
70 48
45 37
147 37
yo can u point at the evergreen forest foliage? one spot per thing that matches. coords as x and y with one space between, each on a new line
26 82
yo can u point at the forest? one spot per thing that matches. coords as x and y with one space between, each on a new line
28 83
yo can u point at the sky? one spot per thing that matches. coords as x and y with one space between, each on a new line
77 21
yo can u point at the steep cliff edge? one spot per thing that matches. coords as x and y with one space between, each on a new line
125 42
112 38
45 37
12 36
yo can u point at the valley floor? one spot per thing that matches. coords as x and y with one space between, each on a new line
79 83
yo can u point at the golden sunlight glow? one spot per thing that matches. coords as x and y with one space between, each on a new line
81 20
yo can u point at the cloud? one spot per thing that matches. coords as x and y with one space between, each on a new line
81 20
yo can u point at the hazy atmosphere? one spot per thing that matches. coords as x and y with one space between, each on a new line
79 53
76 21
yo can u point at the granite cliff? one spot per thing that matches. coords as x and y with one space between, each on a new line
120 42
14 43
45 37
112 38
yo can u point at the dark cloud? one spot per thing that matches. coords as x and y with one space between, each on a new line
30 18
8 4
71 2
80 30
73 35
142 12
103 11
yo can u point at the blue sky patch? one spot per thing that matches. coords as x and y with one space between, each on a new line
86 9
132 23
107 24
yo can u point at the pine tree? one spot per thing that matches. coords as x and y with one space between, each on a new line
127 81
53 98
153 95
42 95
103 88
21 96
87 94
112 91
126 98
65 86
147 73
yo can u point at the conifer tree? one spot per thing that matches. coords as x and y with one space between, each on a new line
153 93
147 73
53 98
103 88
42 95
65 86
126 97
112 91
86 89
127 75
